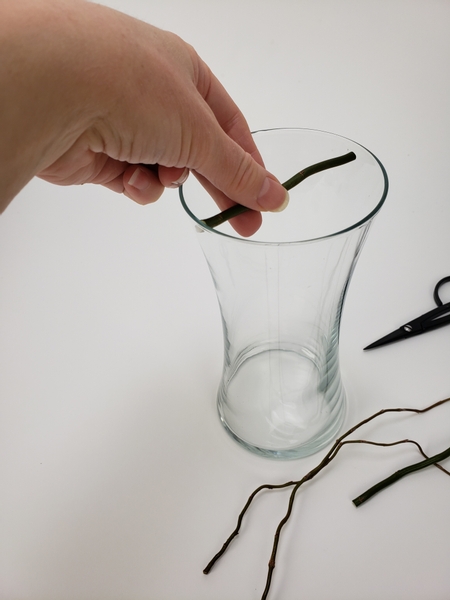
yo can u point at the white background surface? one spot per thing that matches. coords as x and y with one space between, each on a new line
116 478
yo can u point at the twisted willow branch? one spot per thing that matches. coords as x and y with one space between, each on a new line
339 443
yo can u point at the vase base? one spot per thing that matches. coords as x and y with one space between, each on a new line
281 404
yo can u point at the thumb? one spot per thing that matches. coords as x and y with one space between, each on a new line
238 177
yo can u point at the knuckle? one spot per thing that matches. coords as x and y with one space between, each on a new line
246 181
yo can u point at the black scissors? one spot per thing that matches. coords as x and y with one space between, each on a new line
438 317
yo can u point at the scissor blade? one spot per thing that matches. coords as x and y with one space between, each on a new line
438 317
399 334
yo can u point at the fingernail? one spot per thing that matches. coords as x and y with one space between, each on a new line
273 197
139 180
284 205
181 179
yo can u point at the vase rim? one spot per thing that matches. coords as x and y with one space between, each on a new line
359 223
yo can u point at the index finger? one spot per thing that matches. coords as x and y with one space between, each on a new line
227 113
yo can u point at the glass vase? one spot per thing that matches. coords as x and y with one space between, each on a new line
281 293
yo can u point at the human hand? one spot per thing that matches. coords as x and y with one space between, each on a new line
135 95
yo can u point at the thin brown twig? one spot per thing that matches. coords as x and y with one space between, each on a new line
331 454
357 501
388 444
235 532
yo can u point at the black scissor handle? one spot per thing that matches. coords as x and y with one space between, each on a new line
436 290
